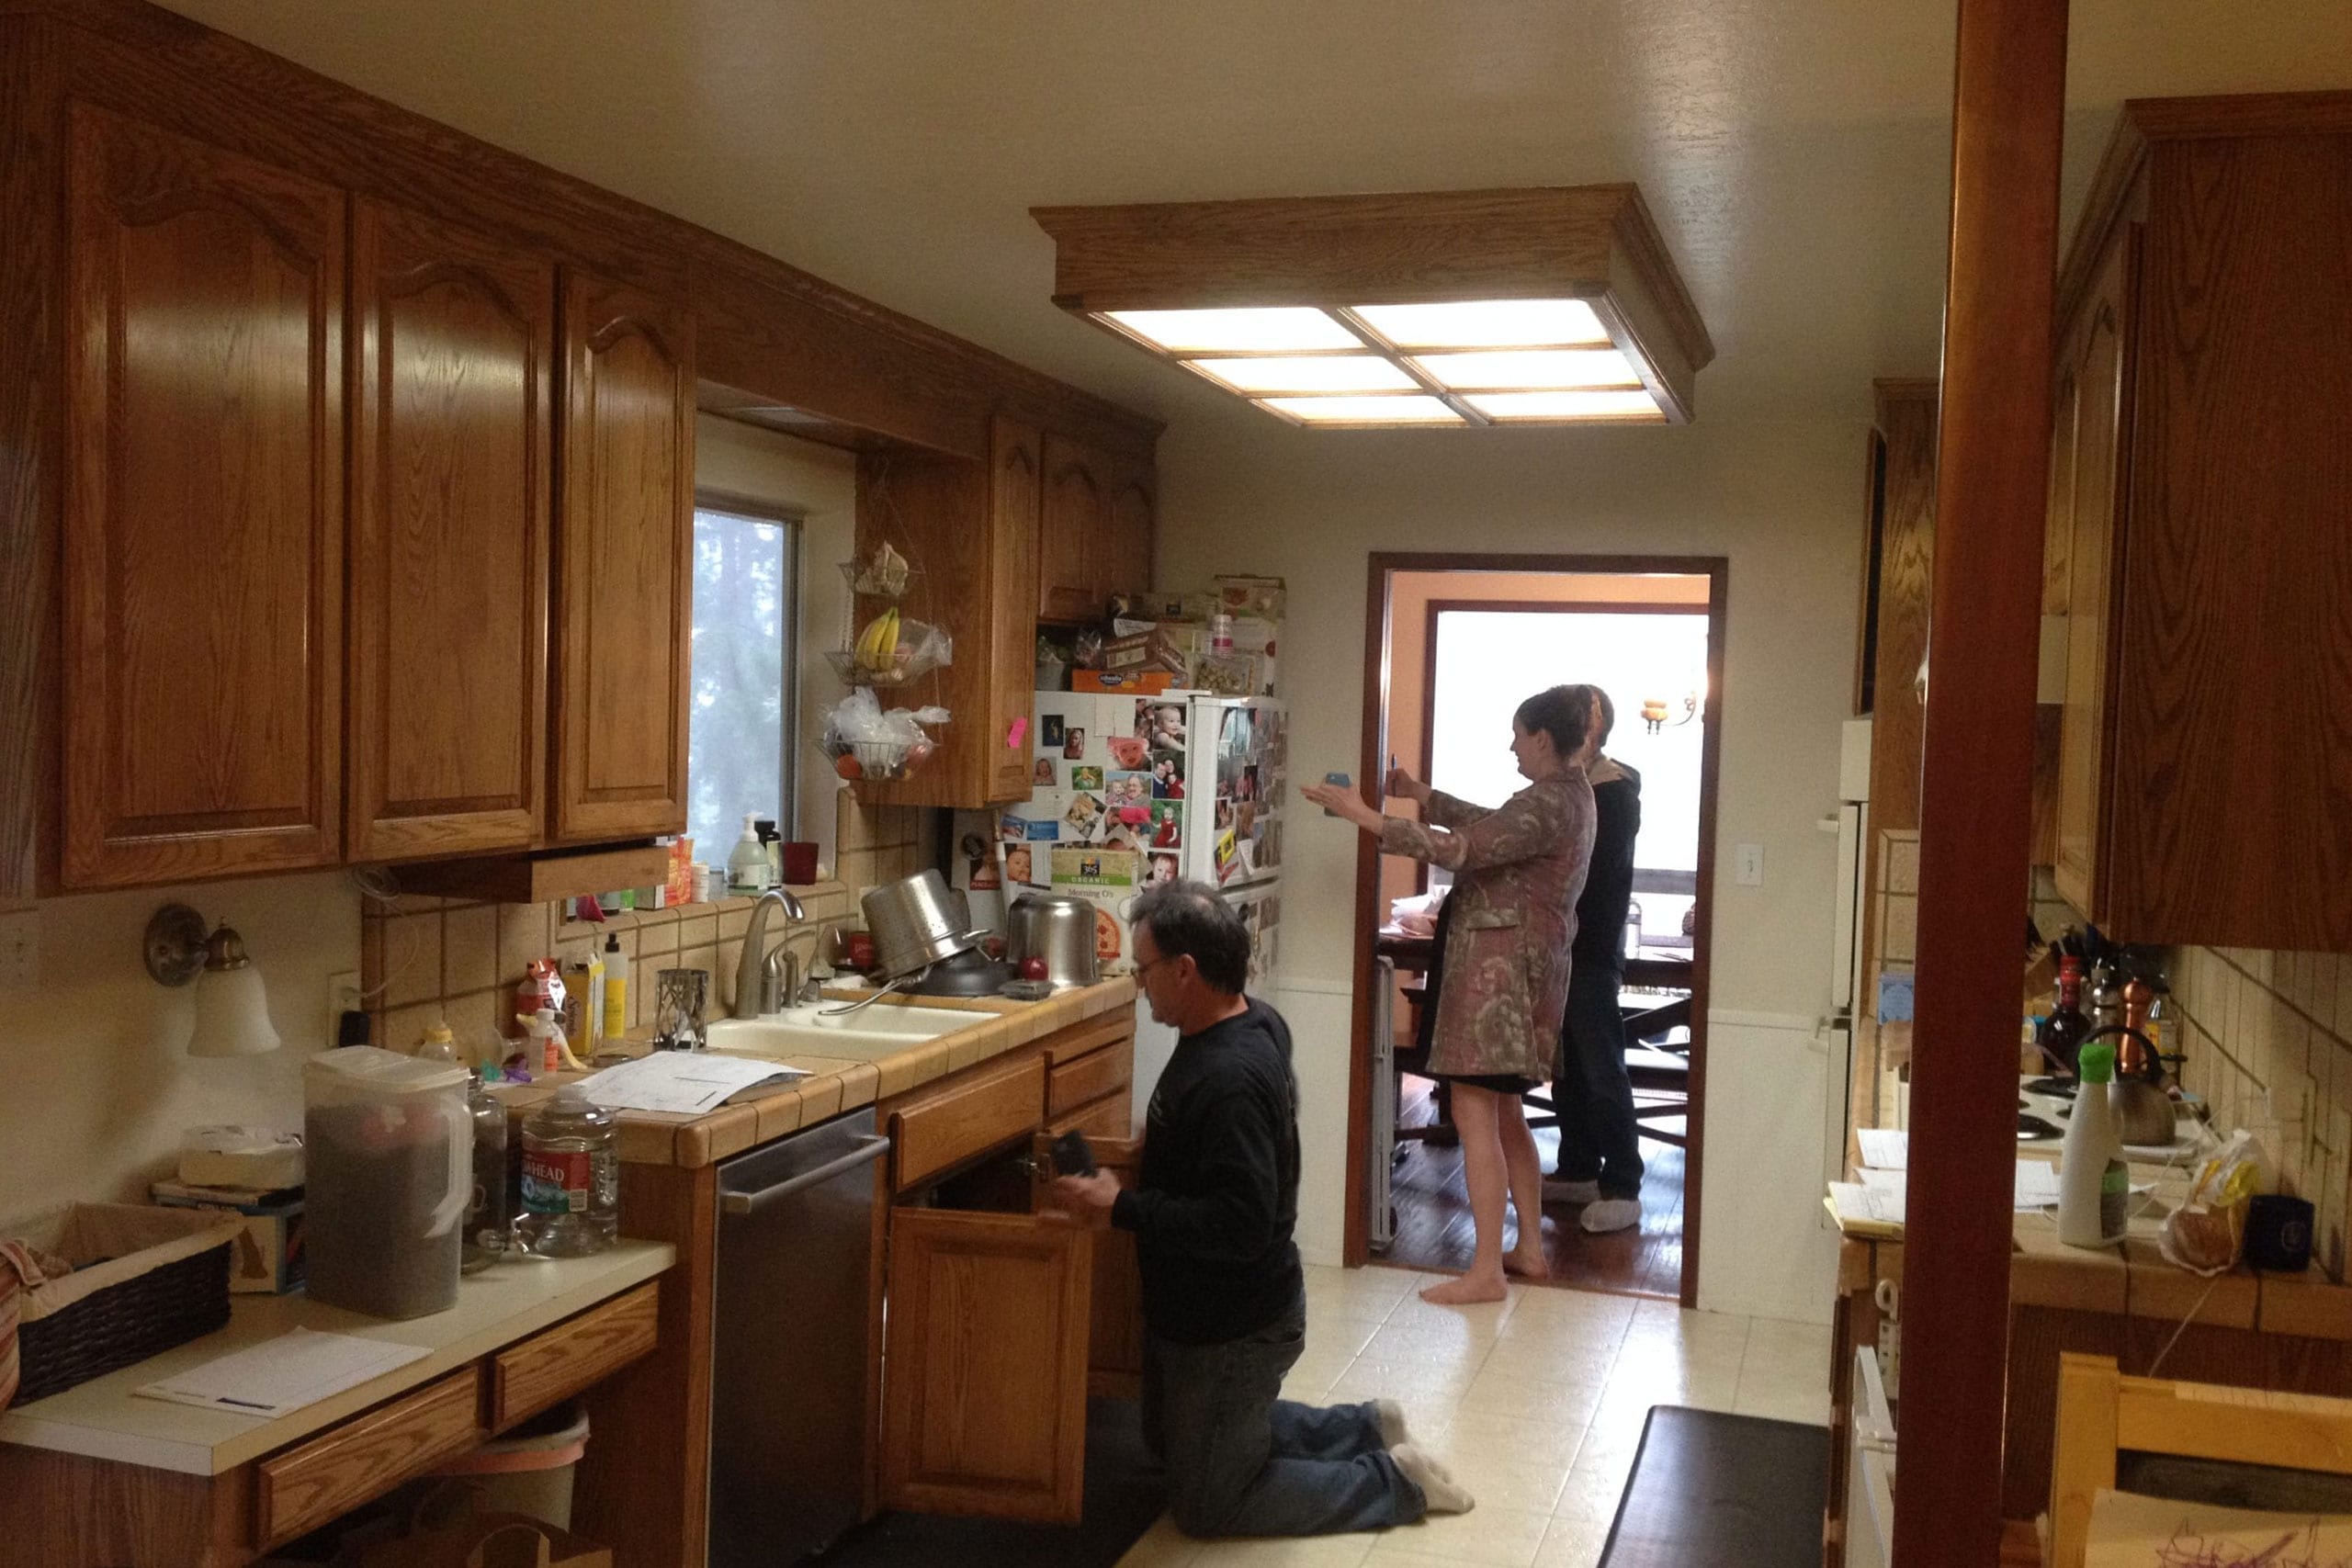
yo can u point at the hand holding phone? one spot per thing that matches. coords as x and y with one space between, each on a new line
1340 781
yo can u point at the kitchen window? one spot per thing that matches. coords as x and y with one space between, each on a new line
743 712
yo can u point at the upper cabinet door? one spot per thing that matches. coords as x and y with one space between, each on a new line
1015 497
2099 387
1123 563
1076 516
624 585
452 462
200 697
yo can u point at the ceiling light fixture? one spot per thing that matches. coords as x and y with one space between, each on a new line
1552 306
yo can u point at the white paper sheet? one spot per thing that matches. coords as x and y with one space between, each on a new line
687 1081
1854 1201
1884 1148
299 1367
2131 1531
2036 1183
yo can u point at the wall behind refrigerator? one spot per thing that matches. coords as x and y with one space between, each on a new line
1240 494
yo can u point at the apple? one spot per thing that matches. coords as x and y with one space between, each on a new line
1033 968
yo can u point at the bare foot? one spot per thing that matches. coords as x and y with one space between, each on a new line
1529 1263
1467 1291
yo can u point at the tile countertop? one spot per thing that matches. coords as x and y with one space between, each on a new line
103 1419
835 1085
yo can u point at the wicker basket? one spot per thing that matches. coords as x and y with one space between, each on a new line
144 1280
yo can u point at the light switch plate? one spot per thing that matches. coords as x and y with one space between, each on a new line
20 948
1750 862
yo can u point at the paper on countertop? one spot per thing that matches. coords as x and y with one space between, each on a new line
687 1081
2128 1530
1884 1148
1878 1181
299 1367
2037 1182
1853 1203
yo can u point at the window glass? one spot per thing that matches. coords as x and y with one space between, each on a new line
737 757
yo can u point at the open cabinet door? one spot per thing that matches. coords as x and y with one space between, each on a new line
984 1383
1115 1357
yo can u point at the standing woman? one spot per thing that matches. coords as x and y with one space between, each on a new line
1518 870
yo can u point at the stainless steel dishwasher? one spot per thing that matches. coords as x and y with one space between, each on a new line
790 1348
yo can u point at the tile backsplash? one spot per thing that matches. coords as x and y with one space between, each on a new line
426 960
2269 1040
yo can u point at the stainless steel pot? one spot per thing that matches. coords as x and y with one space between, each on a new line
1058 928
914 924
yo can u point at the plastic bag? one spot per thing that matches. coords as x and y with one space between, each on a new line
2203 1235
890 651
867 741
1416 915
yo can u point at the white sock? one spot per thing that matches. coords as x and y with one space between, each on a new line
1439 1491
1392 1422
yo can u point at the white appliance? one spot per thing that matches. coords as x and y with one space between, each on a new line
1870 1469
1380 1214
1851 825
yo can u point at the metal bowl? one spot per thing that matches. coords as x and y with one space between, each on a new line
914 924
1058 928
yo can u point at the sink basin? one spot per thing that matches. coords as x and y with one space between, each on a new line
808 1031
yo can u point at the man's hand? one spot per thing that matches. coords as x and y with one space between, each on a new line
1088 1197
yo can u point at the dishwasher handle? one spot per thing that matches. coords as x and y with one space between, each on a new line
868 1151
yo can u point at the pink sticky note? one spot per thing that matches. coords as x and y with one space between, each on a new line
1016 734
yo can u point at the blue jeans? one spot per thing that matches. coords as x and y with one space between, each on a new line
1243 1460
1598 1138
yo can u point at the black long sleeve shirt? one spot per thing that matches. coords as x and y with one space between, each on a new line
1609 885
1216 1198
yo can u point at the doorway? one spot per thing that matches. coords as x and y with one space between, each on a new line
1448 638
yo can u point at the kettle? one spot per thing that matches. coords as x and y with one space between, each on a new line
2144 1114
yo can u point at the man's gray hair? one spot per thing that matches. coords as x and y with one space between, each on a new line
1189 920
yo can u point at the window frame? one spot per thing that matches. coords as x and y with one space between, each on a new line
793 520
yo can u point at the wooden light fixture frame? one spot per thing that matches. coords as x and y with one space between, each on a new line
1595 242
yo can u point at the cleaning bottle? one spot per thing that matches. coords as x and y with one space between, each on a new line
2094 1184
616 1010
747 863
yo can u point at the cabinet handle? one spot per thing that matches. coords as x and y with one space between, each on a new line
865 1153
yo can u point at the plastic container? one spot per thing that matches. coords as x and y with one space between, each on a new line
572 1177
616 1009
747 862
2094 1184
490 1208
389 1146
530 1470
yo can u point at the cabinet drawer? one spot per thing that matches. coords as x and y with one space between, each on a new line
367 1455
1110 1118
1073 1084
1003 1104
571 1356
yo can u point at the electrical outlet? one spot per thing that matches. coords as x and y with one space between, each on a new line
20 949
343 996
1751 860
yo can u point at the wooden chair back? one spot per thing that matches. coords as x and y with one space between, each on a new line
2100 1411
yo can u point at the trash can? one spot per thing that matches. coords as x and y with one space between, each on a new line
530 1470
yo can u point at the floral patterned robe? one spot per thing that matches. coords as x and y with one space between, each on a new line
1518 872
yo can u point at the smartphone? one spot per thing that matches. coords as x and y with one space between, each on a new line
1073 1155
1342 781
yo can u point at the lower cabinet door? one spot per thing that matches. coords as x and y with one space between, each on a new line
985 1365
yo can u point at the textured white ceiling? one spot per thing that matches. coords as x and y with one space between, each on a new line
1794 152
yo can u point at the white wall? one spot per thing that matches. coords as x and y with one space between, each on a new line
820 483
93 1090
1239 493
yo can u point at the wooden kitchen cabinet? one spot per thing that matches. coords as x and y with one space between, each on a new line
199 682
2204 510
452 464
624 616
1095 529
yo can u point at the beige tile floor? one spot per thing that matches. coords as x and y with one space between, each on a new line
1536 1403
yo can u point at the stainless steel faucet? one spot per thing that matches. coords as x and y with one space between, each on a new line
751 962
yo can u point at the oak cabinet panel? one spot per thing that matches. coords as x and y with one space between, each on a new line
624 564
1016 495
201 568
452 464
1124 563
1075 517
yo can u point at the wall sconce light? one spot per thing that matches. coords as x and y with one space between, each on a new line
232 1006
1654 709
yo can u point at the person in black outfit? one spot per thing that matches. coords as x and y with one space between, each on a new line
1224 1298
1599 1163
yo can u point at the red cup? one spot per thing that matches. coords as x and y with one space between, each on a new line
799 863
861 950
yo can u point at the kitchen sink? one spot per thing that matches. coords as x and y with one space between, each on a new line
809 1030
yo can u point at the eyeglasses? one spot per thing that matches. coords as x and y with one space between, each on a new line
1144 970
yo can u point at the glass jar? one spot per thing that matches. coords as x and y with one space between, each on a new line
489 1217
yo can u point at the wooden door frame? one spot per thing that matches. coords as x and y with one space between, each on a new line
1381 568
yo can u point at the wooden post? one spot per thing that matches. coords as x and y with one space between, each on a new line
1993 457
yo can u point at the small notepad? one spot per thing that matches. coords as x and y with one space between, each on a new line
299 1367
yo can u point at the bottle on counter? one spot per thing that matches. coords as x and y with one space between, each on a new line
571 1178
2105 1004
615 1013
438 1044
2094 1184
747 863
490 1216
2065 1027
772 845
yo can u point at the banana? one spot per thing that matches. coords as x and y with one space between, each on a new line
887 654
879 642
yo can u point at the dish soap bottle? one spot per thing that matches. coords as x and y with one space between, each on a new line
2094 1184
571 1178
747 863
616 1008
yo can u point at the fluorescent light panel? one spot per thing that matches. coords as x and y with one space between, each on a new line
1504 406
1416 409
1317 373
1288 329
1486 323
1530 369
